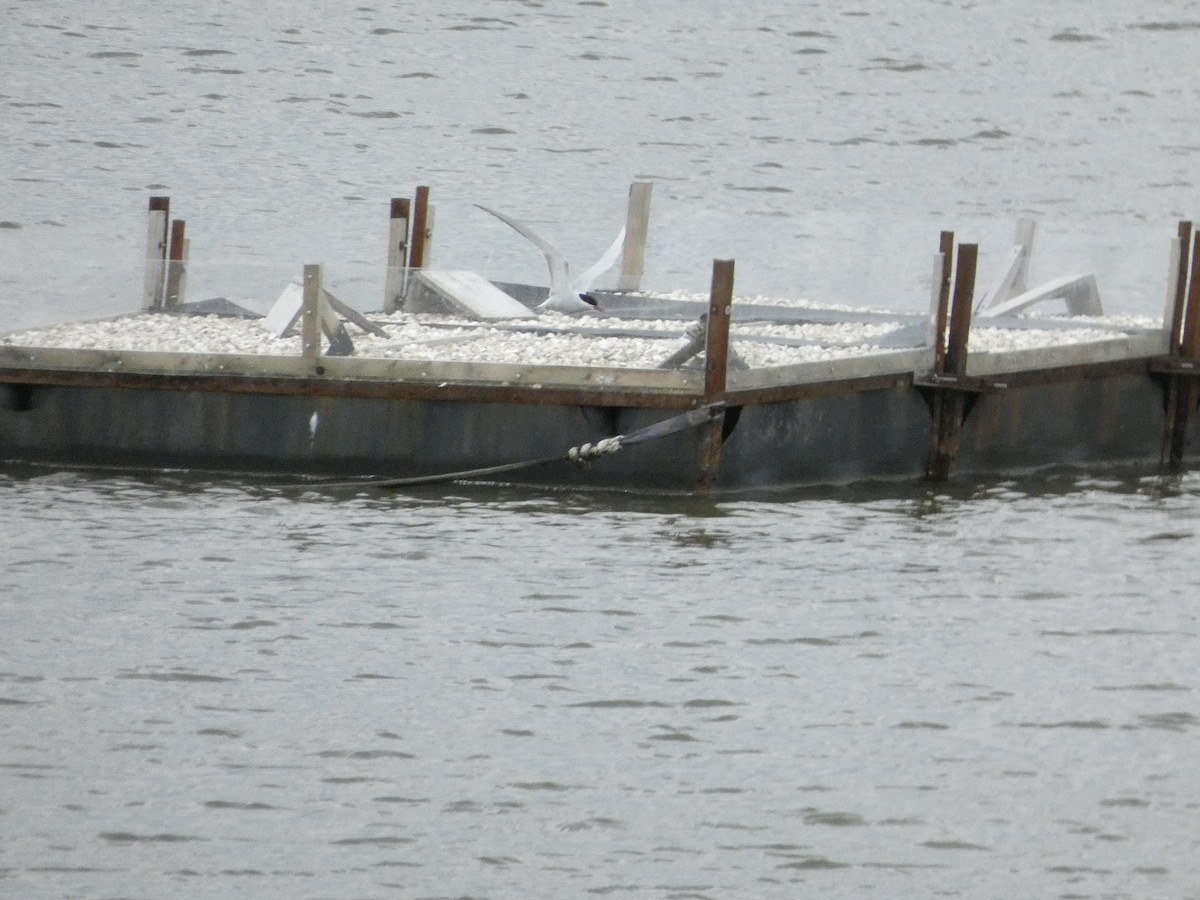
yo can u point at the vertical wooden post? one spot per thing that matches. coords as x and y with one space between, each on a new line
716 364
156 252
935 326
175 259
397 260
1172 307
430 231
1024 239
960 311
637 228
949 407
940 316
183 270
420 228
310 322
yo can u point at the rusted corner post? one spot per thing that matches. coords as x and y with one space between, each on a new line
938 319
716 363
637 228
421 229
156 252
397 259
175 265
310 321
950 405
1183 349
960 311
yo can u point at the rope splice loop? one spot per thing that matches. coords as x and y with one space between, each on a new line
587 452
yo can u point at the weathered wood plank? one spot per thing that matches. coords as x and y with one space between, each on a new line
397 260
463 293
637 230
420 229
156 252
175 265
310 316
949 407
716 363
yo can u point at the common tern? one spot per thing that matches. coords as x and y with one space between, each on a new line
566 295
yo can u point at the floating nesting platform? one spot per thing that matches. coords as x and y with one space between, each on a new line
663 392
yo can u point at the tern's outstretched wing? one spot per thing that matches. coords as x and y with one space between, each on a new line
559 271
600 266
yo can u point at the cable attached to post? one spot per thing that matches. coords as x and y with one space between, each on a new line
583 454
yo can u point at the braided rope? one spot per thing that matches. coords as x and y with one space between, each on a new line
587 452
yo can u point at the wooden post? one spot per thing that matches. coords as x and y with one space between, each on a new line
940 300
934 333
637 228
430 230
1024 240
156 252
960 312
420 228
1015 276
310 322
175 258
1173 310
716 361
949 408
183 269
397 261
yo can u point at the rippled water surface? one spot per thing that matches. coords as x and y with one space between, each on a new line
217 689
213 690
822 146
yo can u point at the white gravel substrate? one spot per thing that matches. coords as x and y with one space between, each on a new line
996 340
558 339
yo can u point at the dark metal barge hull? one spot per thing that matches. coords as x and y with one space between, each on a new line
855 419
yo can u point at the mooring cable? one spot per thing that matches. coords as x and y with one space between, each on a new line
583 453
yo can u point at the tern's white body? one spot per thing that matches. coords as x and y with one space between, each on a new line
566 295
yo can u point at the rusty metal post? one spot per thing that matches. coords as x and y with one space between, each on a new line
716 364
951 410
175 260
1189 337
420 228
940 319
960 312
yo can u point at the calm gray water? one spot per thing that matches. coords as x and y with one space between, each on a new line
217 690
221 689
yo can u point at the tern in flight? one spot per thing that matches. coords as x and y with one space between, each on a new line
566 295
